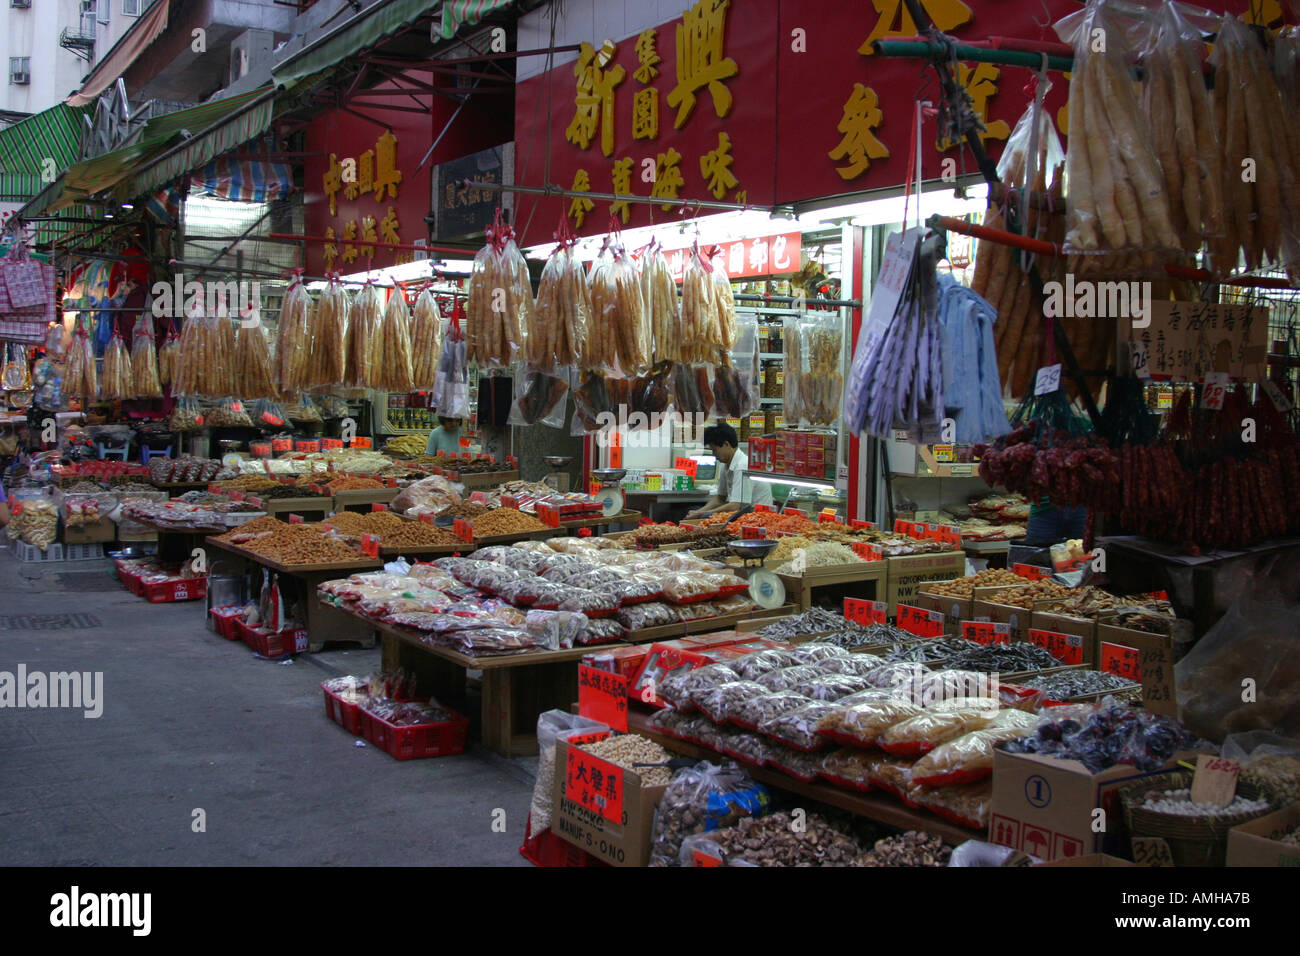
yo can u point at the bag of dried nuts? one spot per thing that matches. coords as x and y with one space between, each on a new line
699 799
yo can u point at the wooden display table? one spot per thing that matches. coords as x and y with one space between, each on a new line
324 623
515 687
360 499
880 807
867 581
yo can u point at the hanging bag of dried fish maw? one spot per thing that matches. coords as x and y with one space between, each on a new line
395 371
539 397
701 333
500 300
329 352
293 353
426 341
557 336
116 380
365 337
736 380
484 276
254 365
144 360
793 399
82 376
823 382
451 390
601 352
188 376
1179 114
224 377
724 301
1248 101
1117 195
632 322
169 356
660 294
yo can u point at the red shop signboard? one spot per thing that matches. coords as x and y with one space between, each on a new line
765 102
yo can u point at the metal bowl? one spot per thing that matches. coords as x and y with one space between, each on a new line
608 476
752 548
558 461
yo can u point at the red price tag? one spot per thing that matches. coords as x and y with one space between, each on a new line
949 534
1031 571
920 622
236 496
594 784
390 482
748 533
360 441
255 502
295 519
480 498
331 444
602 696
370 545
1121 660
986 632
903 527
794 511
1159 596
699 858
464 530
378 506
867 552
236 407
213 490
507 501
688 465
281 444
510 460
1066 648
763 508
548 515
580 740
856 524
865 612
16 508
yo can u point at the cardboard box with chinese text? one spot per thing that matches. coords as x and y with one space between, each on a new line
906 575
622 843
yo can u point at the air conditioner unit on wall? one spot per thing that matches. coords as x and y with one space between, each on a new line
20 78
21 4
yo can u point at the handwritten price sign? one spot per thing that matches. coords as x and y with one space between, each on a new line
464 530
1121 660
749 533
602 696
920 622
295 519
594 784
867 552
855 524
1031 572
986 632
370 545
1066 648
865 612
1215 780
378 506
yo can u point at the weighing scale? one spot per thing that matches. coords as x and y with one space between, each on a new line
559 480
610 493
765 588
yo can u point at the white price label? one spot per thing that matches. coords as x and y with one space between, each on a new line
1216 387
1049 379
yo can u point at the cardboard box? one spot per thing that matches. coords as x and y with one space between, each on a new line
1259 842
626 843
1046 806
96 532
906 575
1143 657
1090 859
987 605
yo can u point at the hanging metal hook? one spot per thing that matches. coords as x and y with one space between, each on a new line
1047 16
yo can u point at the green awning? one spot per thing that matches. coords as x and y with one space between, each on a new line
458 13
355 35
52 134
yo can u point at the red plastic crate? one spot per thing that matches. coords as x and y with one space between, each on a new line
347 716
420 740
186 589
546 849
274 644
226 618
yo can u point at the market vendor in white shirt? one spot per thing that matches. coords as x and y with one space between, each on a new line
724 444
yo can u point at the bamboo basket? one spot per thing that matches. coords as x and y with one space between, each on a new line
1193 841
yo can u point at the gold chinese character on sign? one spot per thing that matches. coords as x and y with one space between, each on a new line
365 176
668 177
895 21
715 166
594 102
389 227
647 57
449 196
581 205
700 62
332 181
368 234
981 83
387 175
331 250
645 114
621 173
349 232
859 144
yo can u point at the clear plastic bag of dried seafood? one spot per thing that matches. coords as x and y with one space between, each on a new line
556 725
558 333
813 652
798 728
699 799
719 701
753 666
